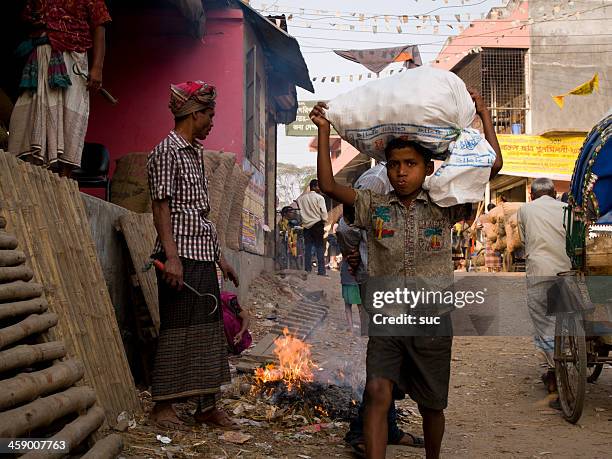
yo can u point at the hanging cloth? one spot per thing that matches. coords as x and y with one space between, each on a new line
376 60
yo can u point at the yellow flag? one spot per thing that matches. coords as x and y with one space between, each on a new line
582 90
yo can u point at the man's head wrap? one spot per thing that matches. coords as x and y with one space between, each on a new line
190 97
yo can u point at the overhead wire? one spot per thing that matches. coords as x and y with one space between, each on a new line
463 5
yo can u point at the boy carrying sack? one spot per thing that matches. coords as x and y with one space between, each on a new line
408 236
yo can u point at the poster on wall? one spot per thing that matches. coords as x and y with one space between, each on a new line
253 211
538 156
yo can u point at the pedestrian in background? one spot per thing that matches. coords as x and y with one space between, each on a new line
314 215
541 229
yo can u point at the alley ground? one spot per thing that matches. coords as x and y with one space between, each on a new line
496 407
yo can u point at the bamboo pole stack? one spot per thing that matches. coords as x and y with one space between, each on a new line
46 216
38 396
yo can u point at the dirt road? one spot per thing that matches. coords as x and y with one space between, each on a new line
496 407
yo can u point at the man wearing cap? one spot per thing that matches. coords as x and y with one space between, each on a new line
191 359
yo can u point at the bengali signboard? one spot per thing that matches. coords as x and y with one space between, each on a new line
303 126
539 156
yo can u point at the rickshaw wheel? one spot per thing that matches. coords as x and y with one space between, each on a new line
595 370
570 365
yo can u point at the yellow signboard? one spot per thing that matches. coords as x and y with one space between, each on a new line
538 156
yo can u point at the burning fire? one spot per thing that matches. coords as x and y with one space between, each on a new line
295 365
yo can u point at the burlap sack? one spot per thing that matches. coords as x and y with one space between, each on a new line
495 213
510 208
217 180
500 244
490 231
501 226
516 240
234 227
129 186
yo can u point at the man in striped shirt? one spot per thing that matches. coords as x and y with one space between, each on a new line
191 359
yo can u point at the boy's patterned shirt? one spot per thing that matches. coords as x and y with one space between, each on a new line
407 242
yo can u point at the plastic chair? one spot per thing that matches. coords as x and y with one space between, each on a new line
93 172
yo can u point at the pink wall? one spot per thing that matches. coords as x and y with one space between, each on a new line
487 33
149 49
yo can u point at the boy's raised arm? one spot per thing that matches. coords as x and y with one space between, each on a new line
325 175
489 131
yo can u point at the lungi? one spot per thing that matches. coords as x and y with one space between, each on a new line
544 326
493 260
49 125
191 359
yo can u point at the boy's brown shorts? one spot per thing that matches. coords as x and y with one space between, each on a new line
418 365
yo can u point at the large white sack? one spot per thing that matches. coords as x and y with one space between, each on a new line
425 104
429 106
464 175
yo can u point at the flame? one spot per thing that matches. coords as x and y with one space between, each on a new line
295 365
322 411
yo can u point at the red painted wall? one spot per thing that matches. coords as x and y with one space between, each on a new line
149 49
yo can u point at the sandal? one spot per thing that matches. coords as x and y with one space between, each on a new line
358 446
416 442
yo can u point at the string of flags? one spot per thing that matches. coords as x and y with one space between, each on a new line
354 15
351 78
583 90
400 23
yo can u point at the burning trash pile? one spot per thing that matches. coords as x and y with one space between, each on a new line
287 390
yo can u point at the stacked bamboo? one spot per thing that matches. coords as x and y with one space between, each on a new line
139 234
38 396
47 216
227 184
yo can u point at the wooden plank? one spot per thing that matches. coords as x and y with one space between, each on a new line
264 344
140 235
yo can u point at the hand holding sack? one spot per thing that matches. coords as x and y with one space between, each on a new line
431 107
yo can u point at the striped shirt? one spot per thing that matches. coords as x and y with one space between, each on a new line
176 172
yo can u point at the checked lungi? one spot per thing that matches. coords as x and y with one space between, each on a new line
191 359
